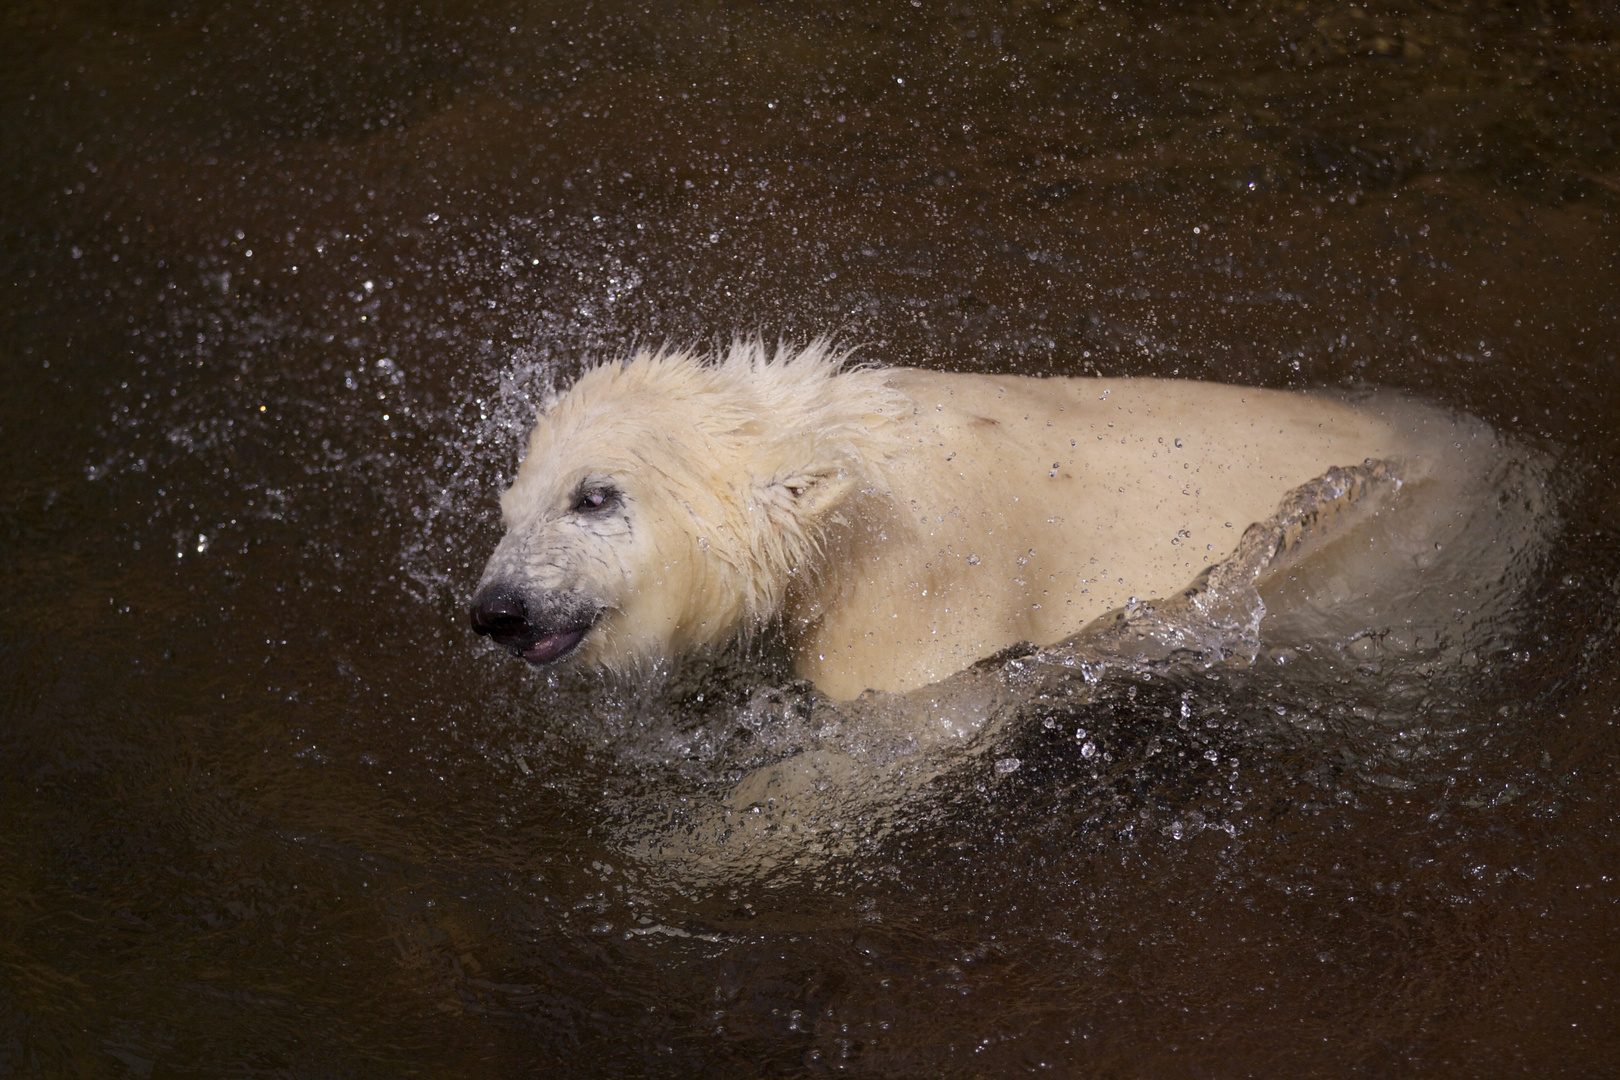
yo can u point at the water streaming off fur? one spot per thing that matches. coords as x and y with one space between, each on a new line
286 287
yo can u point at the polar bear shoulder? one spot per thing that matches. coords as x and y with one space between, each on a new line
1019 509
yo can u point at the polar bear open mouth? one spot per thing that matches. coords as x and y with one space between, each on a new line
554 647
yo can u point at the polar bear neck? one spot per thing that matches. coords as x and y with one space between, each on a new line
804 438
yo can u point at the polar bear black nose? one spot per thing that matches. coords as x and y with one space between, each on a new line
500 613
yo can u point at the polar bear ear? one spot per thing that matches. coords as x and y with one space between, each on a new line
799 498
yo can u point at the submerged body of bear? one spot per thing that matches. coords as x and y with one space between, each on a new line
899 524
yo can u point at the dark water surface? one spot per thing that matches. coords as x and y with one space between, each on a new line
281 286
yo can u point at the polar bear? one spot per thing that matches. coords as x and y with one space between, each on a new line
897 525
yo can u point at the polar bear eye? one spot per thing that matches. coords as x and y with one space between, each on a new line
590 499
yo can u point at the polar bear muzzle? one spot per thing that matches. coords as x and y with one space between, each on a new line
540 631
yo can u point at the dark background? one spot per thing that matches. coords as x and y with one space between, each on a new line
280 287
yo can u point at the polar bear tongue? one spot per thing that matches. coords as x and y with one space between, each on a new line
552 647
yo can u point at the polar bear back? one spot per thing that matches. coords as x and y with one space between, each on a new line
1018 509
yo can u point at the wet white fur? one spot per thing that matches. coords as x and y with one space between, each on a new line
900 523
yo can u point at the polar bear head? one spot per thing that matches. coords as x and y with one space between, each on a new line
667 502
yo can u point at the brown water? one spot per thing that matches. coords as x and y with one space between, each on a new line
281 286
